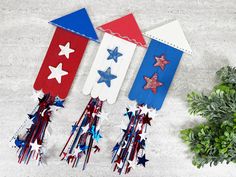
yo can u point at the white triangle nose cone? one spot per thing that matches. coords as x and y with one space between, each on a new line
170 34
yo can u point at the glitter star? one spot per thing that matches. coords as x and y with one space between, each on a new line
106 76
114 54
152 83
161 61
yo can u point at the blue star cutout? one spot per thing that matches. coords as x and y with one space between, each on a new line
114 54
106 76
142 160
59 103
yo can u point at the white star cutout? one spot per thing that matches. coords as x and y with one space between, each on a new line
142 136
66 50
132 164
85 129
144 110
35 146
57 72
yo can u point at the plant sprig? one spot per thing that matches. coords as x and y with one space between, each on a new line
214 141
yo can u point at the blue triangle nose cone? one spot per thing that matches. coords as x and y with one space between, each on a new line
77 22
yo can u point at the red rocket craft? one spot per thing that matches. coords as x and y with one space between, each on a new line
65 53
55 78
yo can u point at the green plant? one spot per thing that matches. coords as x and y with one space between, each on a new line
214 141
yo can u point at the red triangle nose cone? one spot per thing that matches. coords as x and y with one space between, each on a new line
126 28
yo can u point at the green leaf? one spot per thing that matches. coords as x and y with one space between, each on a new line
214 141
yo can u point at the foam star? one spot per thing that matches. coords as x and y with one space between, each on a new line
161 62
85 129
147 119
144 110
152 83
59 103
114 54
57 72
142 160
66 50
142 136
35 146
106 76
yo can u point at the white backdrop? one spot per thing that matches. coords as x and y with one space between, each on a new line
24 37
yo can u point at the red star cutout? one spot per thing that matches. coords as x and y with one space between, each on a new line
161 61
152 83
146 120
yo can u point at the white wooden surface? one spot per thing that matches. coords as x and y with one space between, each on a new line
210 27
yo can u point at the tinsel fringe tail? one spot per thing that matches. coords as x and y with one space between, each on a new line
130 151
83 134
29 139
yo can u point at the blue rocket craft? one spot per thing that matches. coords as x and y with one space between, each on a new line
159 65
149 90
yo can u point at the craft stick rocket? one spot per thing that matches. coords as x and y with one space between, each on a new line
55 77
103 83
149 89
